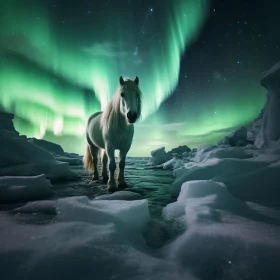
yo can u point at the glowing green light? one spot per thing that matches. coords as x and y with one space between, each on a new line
54 74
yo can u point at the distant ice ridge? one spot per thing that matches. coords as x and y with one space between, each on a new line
247 161
25 167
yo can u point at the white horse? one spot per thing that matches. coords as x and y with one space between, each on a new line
113 129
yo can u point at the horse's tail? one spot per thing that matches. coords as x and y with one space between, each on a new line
88 164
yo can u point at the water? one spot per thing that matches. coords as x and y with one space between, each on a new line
151 184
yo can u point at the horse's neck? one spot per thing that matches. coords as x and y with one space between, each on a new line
118 121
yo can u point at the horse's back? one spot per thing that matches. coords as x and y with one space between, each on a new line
93 116
94 130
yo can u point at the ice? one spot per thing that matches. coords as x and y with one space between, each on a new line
49 146
269 134
235 170
22 158
88 240
158 156
225 238
70 160
120 195
100 211
24 188
212 151
42 206
173 163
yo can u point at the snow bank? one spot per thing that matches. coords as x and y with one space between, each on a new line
224 238
246 178
22 158
173 163
120 195
24 188
88 240
99 211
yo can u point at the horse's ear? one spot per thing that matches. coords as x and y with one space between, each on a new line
121 81
136 80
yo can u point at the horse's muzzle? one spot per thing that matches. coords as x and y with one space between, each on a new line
131 117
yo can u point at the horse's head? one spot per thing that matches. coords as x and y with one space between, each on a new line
130 103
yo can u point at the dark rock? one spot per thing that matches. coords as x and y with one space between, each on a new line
6 121
179 150
243 143
224 141
237 136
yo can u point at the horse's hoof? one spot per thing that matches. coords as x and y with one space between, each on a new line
104 180
122 186
112 188
95 178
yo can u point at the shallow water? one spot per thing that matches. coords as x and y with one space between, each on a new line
151 184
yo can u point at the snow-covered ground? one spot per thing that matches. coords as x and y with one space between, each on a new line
219 219
205 233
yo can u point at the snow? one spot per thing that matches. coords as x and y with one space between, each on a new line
120 195
24 188
88 239
245 171
224 238
173 163
22 158
212 235
104 211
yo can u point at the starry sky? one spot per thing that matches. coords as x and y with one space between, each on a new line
199 64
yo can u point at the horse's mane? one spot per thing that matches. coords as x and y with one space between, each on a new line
112 116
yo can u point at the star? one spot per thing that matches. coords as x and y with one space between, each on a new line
151 9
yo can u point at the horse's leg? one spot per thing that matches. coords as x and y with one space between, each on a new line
94 153
104 173
110 151
120 179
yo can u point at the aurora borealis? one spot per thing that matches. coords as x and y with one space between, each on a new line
60 62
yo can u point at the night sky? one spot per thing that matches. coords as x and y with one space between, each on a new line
199 64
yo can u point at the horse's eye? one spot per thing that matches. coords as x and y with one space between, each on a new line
122 94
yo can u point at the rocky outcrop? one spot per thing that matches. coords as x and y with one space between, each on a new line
178 152
6 122
237 138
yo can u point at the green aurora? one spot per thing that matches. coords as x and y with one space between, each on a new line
53 77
